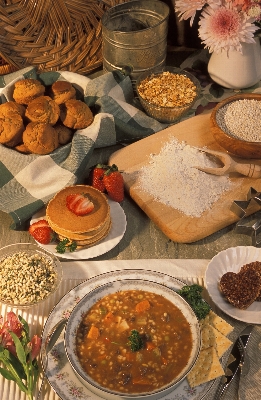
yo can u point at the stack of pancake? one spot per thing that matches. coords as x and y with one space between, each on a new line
85 230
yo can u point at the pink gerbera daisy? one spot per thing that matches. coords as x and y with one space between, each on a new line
187 8
224 29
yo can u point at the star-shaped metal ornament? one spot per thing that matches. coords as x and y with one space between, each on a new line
245 208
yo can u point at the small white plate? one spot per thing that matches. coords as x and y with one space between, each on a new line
118 222
231 260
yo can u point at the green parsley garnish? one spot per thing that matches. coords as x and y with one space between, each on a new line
193 296
66 244
135 340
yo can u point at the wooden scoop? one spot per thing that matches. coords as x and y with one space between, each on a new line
229 165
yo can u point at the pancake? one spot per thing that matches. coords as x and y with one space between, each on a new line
81 243
86 229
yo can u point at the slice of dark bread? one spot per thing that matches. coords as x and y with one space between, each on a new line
241 289
256 265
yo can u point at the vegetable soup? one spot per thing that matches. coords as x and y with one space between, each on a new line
133 341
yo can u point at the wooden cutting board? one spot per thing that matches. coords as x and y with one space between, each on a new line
177 226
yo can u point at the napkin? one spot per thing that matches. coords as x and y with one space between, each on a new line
28 182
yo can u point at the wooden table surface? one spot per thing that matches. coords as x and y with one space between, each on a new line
143 239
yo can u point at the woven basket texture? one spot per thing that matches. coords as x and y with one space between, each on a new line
52 35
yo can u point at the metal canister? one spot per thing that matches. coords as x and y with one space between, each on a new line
135 36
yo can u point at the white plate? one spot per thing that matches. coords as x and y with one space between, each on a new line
118 227
232 259
59 372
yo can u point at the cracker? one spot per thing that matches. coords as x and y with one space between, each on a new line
207 368
220 324
222 342
211 337
208 338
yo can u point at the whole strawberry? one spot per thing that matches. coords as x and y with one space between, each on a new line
114 183
42 232
96 177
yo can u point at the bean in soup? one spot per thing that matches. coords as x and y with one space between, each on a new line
133 341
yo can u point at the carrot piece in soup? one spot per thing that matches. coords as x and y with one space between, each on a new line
143 305
130 356
109 318
141 381
93 333
150 346
164 361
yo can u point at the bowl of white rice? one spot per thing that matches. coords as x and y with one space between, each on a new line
236 125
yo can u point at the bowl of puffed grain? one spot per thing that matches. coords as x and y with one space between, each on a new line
29 275
167 93
235 124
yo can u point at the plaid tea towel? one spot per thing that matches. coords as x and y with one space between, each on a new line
28 182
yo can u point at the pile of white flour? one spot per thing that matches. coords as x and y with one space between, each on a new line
172 179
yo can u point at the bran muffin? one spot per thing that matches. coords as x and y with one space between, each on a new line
22 148
43 109
61 91
11 129
13 107
64 134
26 90
75 114
40 138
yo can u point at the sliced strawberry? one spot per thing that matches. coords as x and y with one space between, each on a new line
114 183
96 177
79 204
42 232
38 224
72 199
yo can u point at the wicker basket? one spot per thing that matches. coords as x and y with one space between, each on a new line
52 35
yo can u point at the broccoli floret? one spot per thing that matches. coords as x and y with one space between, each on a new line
135 340
193 296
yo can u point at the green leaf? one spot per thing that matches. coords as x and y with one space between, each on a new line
18 367
26 326
13 371
19 349
7 374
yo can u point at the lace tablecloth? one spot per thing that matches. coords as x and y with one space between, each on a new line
190 271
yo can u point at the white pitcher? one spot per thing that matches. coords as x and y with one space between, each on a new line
235 70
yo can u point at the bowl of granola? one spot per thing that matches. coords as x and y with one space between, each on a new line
28 274
167 93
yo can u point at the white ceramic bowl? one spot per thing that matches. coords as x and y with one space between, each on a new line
49 278
91 298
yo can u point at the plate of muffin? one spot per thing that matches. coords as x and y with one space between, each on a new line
42 118
94 233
